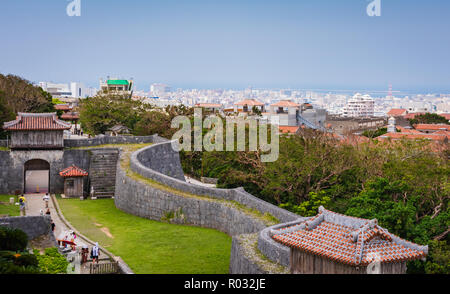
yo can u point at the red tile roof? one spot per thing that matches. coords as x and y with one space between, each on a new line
36 122
285 103
70 116
413 115
405 130
397 112
446 115
208 105
249 102
347 240
442 132
416 136
64 107
288 129
73 171
434 127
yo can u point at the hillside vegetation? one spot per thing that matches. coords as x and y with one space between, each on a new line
19 95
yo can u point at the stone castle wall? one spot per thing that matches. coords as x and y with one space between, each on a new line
102 140
182 202
12 162
146 200
33 226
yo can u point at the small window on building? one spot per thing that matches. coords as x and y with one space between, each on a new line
70 183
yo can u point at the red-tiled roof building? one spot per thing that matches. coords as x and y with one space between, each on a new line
36 131
334 243
397 112
247 105
288 130
210 106
73 181
430 128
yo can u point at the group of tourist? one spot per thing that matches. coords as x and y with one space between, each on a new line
67 238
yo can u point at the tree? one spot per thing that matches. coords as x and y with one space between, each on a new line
99 113
23 96
428 118
154 122
6 114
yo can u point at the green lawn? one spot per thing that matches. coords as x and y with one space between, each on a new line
6 208
149 247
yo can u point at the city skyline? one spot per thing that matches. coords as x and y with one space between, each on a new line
264 44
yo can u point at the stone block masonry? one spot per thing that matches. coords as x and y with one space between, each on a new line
201 206
33 226
102 170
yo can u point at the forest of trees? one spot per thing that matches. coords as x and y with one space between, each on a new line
19 95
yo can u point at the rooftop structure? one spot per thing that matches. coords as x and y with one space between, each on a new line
73 181
37 131
397 112
430 128
73 171
36 122
247 105
117 86
334 243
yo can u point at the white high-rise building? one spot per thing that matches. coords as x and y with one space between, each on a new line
360 106
159 89
71 90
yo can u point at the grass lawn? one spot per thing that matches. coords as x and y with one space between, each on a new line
150 247
6 208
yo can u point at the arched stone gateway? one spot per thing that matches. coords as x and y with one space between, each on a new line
36 176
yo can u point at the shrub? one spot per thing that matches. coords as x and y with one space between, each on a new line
12 239
18 263
52 262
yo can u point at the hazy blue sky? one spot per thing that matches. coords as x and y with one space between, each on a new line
231 44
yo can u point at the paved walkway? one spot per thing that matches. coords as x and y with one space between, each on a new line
34 204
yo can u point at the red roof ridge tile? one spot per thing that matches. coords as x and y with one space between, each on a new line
73 171
347 239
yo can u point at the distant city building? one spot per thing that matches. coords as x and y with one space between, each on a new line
348 125
391 126
360 106
71 90
284 113
56 90
159 89
117 86
395 112
210 106
247 105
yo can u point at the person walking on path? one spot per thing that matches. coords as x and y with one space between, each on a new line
46 198
95 252
53 226
22 205
84 253
48 211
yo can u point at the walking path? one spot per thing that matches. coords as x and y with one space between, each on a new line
34 204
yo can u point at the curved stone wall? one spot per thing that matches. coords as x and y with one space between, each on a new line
139 164
274 250
103 140
198 205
